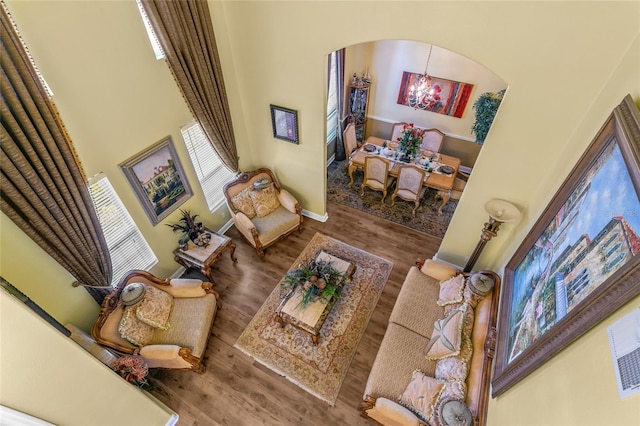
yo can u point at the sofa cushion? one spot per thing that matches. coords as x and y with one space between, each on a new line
273 226
421 394
265 201
134 330
455 367
242 201
447 335
190 321
400 353
451 290
155 308
415 306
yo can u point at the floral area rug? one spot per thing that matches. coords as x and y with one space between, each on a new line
426 219
319 369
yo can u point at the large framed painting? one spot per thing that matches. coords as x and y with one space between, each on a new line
446 97
158 179
580 261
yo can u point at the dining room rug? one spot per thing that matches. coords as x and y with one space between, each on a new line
319 369
426 219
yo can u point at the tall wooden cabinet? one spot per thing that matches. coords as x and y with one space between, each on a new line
358 102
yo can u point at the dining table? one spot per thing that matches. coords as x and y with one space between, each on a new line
436 165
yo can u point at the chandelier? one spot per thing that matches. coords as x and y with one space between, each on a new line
420 92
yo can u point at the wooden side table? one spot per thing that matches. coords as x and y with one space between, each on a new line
204 257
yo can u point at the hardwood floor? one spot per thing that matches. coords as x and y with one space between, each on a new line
235 390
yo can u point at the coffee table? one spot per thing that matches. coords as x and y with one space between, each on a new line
310 318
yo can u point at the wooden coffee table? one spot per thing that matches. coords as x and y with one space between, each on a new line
204 257
310 318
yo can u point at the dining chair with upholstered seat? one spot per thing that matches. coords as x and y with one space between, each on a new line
396 131
432 140
350 141
376 175
410 186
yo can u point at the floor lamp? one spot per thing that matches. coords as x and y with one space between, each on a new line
500 212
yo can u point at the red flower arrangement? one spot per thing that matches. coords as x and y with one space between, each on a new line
132 368
411 140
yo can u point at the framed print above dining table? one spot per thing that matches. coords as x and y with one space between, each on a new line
581 260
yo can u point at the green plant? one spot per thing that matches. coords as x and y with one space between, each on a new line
186 226
486 107
317 279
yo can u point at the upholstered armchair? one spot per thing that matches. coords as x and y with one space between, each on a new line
166 322
263 212
410 186
376 175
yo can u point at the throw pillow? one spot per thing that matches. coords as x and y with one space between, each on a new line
265 201
451 291
447 335
134 330
242 201
421 394
155 308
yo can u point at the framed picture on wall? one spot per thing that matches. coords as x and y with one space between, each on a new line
158 179
285 124
581 260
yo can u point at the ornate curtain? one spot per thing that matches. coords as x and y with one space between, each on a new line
43 188
340 154
185 32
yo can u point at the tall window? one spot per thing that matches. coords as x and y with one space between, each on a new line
127 247
212 174
332 99
155 44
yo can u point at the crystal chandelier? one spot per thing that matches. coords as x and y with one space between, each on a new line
420 93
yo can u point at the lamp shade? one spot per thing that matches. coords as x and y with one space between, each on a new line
502 211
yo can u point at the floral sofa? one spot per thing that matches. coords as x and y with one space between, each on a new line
434 362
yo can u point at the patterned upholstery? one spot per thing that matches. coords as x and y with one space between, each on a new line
410 186
432 140
376 175
350 140
396 131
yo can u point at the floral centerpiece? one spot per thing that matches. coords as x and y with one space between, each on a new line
410 140
317 280
132 368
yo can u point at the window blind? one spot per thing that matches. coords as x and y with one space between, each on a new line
155 44
332 99
127 247
212 174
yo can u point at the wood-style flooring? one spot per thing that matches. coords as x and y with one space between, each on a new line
237 391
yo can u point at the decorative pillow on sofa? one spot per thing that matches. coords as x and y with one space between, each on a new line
478 286
451 291
134 330
421 394
242 201
455 367
265 201
447 335
155 308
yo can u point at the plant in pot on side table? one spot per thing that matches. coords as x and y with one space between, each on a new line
199 247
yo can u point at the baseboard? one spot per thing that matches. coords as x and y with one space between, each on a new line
315 216
435 257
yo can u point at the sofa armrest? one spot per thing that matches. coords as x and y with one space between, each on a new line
186 287
391 413
438 270
164 356
287 200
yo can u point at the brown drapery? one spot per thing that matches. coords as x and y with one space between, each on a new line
185 32
340 154
43 188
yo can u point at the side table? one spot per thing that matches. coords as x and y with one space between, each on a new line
204 257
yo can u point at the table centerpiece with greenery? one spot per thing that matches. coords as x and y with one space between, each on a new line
317 280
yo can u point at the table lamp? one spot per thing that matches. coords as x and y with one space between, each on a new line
500 212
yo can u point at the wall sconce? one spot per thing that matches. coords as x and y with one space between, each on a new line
500 212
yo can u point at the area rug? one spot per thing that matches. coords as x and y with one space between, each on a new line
426 219
319 369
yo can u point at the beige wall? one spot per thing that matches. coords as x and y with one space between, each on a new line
563 82
48 376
